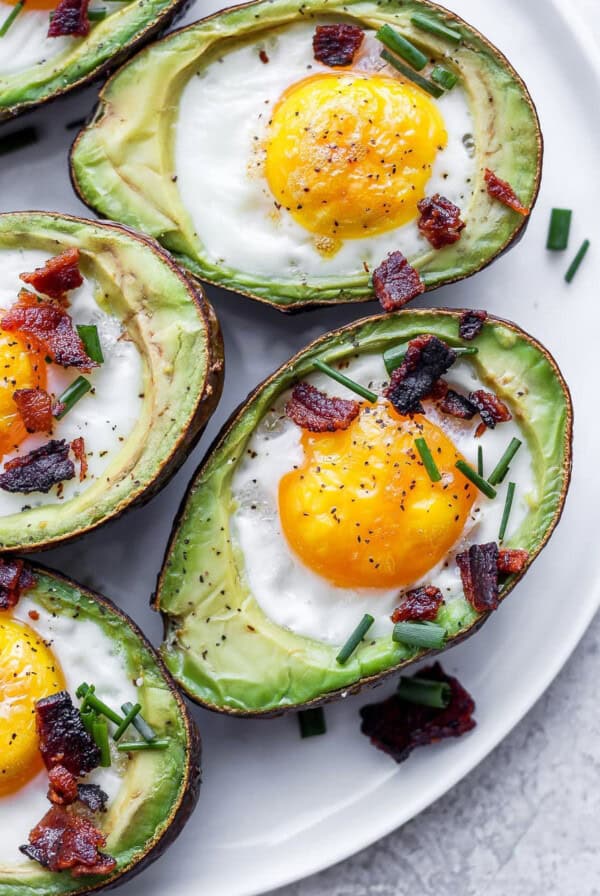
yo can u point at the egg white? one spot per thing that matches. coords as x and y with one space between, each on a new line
291 594
223 117
26 42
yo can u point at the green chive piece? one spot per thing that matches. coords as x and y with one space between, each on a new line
443 77
480 460
573 267
86 693
481 483
130 715
432 26
409 73
96 15
393 357
88 333
403 47
18 140
510 493
558 230
140 724
345 381
100 735
72 395
428 461
15 11
355 638
312 722
136 746
424 691
88 717
420 634
501 468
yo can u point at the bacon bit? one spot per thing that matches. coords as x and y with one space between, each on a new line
479 573
93 797
470 324
59 275
39 470
63 737
457 405
65 841
512 561
396 282
35 408
481 428
397 727
439 390
314 410
420 604
63 786
427 358
51 326
503 192
440 221
490 408
337 45
263 57
15 580
33 614
78 449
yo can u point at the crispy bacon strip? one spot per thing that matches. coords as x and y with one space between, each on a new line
470 324
479 573
512 561
396 282
63 737
64 841
59 275
63 786
35 408
39 470
15 580
397 727
93 797
78 449
440 221
491 409
503 192
420 604
427 358
457 405
50 325
314 410
337 45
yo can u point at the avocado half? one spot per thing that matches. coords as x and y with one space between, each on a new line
262 669
161 787
178 337
108 44
137 115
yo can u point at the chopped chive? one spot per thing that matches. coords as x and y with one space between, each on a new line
393 357
480 460
130 715
409 73
88 333
573 267
88 716
312 722
443 77
72 395
18 140
420 634
15 11
436 28
136 746
96 15
481 483
558 231
501 468
403 47
424 691
355 638
428 461
510 493
140 724
345 381
86 693
100 735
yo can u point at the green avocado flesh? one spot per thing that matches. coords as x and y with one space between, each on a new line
108 43
175 332
159 787
124 161
220 646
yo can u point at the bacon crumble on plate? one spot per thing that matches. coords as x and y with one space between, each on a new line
427 358
396 282
314 410
479 574
58 276
503 192
470 324
337 45
15 579
440 221
38 470
35 408
419 604
64 841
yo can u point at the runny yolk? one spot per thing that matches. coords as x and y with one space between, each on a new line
28 672
22 366
35 4
361 510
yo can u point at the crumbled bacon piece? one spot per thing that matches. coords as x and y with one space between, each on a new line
263 57
50 325
396 282
78 449
38 470
512 561
479 573
457 405
420 604
426 359
63 786
397 726
337 45
93 797
470 324
313 410
440 220
65 841
491 409
59 275
481 428
63 737
503 192
35 408
439 390
15 580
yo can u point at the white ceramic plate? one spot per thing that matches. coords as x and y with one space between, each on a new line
275 808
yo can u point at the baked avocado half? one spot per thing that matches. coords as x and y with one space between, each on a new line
107 383
267 168
128 806
284 533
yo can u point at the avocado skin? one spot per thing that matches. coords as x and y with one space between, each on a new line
517 156
202 682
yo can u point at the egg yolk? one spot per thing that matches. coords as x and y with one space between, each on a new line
349 155
22 366
361 510
36 4
28 672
